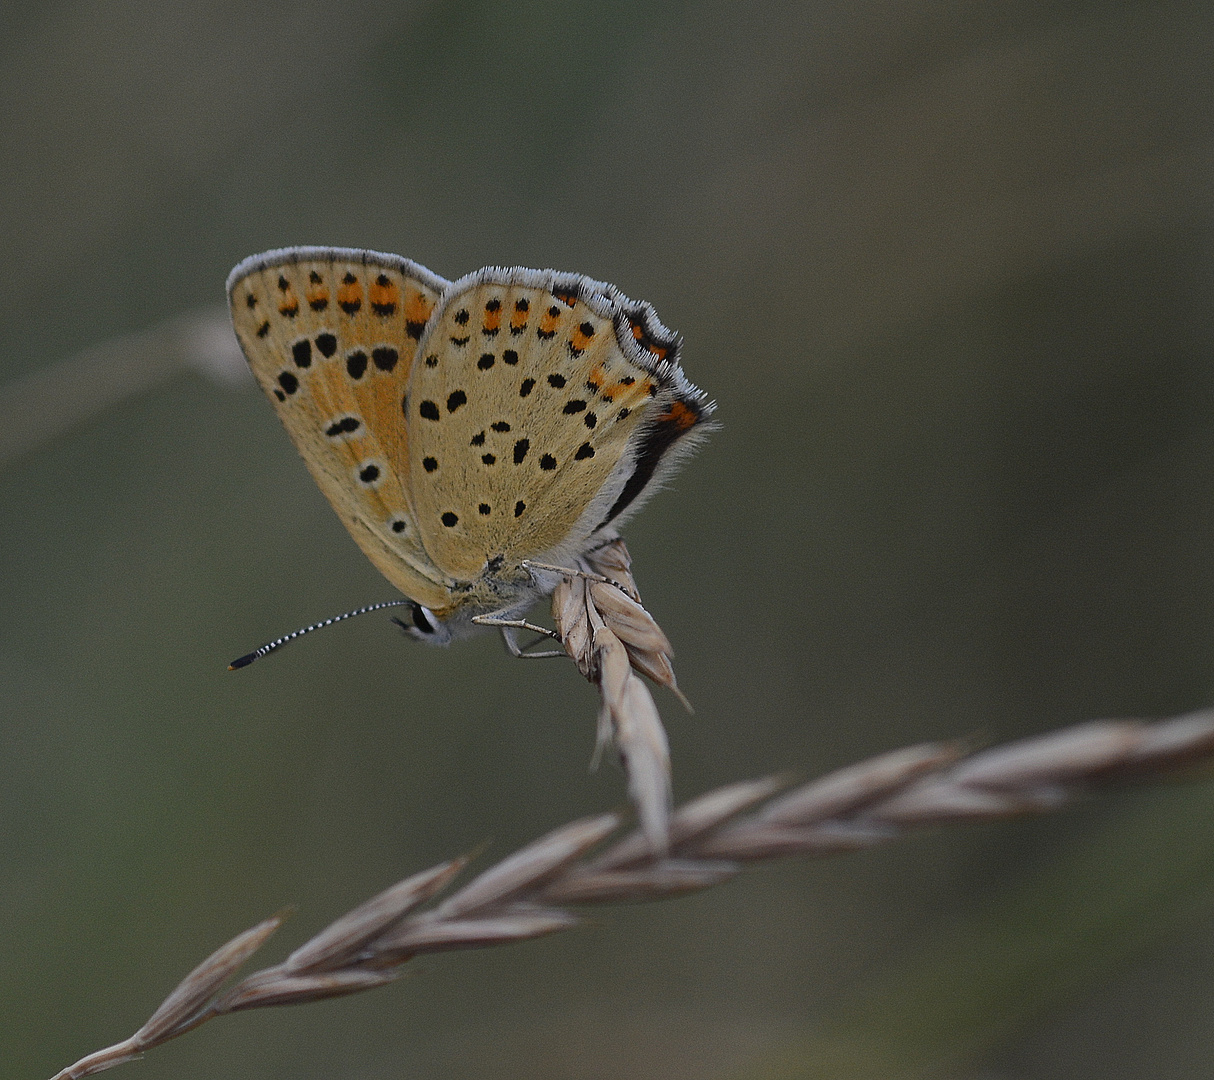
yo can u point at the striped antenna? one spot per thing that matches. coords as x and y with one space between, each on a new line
272 646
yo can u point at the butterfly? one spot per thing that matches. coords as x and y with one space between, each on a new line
466 431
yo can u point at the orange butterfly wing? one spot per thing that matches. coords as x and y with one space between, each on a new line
330 334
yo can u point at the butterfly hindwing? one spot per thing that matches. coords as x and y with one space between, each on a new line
535 402
330 335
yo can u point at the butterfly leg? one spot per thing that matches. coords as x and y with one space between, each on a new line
569 572
520 652
508 625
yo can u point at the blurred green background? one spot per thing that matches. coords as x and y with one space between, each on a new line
946 268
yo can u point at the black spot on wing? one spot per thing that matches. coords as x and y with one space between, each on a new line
344 426
385 357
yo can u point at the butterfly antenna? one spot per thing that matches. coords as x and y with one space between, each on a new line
273 646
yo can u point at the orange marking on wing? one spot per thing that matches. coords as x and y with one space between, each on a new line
548 323
417 309
289 304
646 342
493 320
318 297
384 295
518 321
680 415
350 295
625 391
580 340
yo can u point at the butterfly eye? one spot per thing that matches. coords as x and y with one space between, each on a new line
423 619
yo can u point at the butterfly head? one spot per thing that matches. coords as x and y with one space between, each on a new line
423 625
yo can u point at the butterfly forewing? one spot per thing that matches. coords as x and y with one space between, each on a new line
331 336
521 406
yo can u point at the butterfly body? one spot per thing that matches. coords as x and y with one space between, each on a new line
464 429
